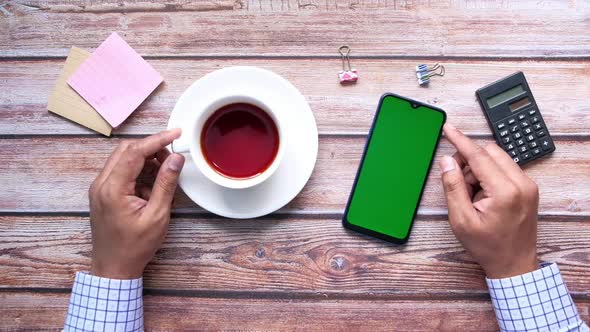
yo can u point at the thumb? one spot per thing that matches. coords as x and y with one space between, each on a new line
165 184
458 200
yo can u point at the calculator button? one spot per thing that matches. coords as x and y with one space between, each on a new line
520 142
503 133
530 138
541 133
522 149
517 135
513 153
521 117
533 145
509 147
536 151
538 126
516 160
501 125
534 119
526 156
514 128
527 131
524 124
506 140
531 112
546 144
511 121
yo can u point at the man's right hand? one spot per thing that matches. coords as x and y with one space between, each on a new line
492 206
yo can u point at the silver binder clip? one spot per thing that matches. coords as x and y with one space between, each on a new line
424 72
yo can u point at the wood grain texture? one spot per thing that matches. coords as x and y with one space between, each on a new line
458 31
563 103
283 257
279 5
297 269
46 312
54 175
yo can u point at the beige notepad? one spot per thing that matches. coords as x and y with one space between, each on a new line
66 102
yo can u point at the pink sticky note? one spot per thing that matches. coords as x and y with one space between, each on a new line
115 80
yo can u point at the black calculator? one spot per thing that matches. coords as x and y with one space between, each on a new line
515 119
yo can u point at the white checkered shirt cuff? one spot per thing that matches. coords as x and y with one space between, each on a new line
102 304
535 301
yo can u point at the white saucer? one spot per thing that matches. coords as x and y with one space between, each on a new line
301 139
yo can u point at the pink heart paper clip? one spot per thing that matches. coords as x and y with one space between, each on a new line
347 75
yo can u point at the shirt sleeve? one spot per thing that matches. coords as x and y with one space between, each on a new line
103 304
535 301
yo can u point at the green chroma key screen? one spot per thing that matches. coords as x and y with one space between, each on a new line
392 174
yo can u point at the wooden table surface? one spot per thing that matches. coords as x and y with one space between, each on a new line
296 269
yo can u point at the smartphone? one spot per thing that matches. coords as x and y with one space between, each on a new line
395 164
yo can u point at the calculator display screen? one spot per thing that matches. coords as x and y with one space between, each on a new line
394 168
515 106
505 96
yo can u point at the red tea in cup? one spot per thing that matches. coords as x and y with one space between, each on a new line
240 141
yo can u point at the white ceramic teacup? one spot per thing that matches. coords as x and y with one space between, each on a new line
190 142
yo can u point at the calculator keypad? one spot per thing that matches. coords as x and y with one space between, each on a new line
523 136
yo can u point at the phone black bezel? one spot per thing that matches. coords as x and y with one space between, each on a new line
366 231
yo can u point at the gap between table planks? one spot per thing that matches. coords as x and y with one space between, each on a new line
282 257
58 171
559 88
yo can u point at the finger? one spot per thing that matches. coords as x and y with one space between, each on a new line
162 155
470 181
460 160
134 155
478 201
158 155
456 192
112 160
482 165
149 171
471 185
508 166
115 156
143 191
476 192
470 178
154 143
165 185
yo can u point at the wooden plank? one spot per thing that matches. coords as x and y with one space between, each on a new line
103 6
277 5
46 312
563 103
282 257
458 31
49 174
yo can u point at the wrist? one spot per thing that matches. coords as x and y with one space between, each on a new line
512 270
114 272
